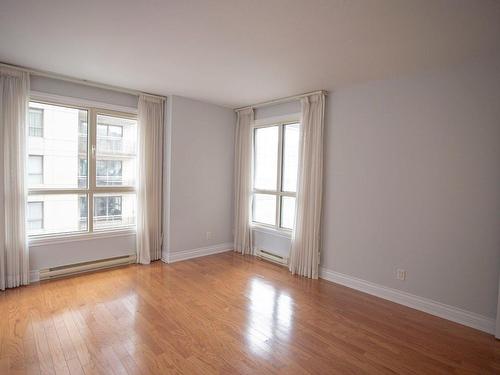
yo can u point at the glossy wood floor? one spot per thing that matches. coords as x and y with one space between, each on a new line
225 314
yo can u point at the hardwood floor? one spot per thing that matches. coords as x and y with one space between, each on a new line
225 314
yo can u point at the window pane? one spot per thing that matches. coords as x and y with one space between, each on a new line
35 122
287 212
62 145
35 170
114 210
45 216
35 216
266 158
264 208
290 157
116 151
109 172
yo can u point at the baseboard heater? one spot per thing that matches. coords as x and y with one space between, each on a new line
271 257
76 268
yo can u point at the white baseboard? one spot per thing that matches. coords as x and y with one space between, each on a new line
455 314
195 253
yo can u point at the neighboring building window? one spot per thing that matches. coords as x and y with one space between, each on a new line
35 170
35 120
35 216
109 172
82 173
108 208
109 136
75 187
84 213
275 175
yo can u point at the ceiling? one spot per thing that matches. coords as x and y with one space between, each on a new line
233 52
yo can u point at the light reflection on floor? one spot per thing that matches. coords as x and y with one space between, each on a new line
270 313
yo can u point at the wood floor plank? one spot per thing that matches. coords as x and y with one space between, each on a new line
225 314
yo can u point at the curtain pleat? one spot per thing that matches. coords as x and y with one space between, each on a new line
149 190
305 249
242 182
14 252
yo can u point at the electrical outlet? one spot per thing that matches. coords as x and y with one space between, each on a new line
400 274
209 235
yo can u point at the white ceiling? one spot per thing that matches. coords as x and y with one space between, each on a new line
234 52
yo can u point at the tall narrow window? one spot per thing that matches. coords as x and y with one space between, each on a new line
35 216
35 170
275 175
82 155
35 122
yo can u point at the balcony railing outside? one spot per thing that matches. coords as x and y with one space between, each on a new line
115 145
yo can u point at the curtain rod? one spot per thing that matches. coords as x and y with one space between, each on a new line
42 73
282 100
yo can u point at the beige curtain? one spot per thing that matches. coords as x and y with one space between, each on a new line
304 255
243 182
149 189
14 254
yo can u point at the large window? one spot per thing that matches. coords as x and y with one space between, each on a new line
275 163
81 170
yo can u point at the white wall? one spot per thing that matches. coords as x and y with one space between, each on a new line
412 180
75 90
70 252
201 178
197 182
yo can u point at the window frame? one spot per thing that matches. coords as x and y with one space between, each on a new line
93 110
280 122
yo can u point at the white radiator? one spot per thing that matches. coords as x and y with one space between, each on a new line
73 269
271 257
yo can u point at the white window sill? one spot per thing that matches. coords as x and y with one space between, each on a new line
272 230
72 237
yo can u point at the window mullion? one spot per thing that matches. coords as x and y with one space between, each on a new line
92 168
280 175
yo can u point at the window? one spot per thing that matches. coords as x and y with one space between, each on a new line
35 216
116 151
89 158
82 173
84 212
108 208
275 160
35 169
111 211
35 121
109 172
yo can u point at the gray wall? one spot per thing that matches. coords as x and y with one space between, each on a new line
81 91
201 180
412 181
200 137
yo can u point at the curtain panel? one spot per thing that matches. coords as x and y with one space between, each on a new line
305 249
243 182
14 252
149 190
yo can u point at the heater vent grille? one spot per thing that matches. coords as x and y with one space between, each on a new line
271 257
76 268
